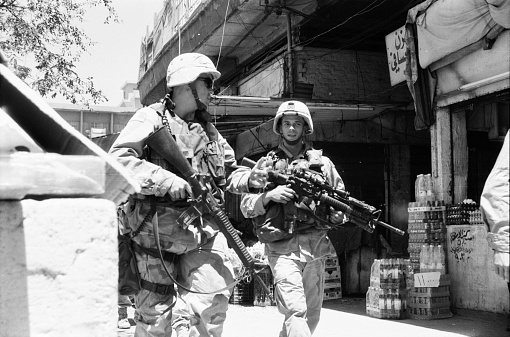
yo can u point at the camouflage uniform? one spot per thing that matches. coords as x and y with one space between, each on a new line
203 260
297 261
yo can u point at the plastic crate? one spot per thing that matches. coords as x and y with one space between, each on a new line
332 273
430 313
331 261
243 293
260 296
333 283
430 302
386 303
332 293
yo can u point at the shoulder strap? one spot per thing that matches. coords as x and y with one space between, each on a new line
211 131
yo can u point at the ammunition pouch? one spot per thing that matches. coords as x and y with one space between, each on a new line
214 157
270 227
129 276
130 282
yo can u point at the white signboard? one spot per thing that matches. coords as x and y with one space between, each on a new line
396 52
427 280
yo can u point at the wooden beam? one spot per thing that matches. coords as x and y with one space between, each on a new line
399 192
449 155
460 156
440 141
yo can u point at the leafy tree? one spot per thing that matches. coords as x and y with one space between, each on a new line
43 42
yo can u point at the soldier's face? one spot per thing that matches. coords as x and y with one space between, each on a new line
185 102
204 86
292 127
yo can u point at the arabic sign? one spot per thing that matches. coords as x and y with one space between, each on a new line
462 244
396 52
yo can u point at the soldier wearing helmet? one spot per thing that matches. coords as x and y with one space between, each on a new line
200 248
295 242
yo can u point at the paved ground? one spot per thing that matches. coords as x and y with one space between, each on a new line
347 318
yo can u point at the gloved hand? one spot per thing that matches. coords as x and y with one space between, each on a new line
281 194
258 174
176 187
336 217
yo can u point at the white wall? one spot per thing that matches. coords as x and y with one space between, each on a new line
474 284
59 269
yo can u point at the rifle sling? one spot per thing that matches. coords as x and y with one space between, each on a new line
167 256
162 289
160 254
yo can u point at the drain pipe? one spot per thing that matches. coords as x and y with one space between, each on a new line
289 55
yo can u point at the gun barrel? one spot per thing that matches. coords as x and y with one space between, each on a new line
391 228
358 216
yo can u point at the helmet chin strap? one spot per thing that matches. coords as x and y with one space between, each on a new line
201 114
169 104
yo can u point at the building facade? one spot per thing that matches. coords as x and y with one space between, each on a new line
445 114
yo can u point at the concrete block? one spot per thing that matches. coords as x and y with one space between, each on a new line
474 283
59 268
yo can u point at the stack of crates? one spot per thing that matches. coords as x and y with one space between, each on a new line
332 279
243 293
387 295
426 227
465 213
430 302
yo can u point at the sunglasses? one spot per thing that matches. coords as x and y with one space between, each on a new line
208 82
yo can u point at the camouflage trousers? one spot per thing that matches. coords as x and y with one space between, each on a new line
299 293
153 310
207 269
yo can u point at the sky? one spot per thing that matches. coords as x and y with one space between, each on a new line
115 57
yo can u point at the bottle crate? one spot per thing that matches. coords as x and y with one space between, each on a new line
242 293
332 273
431 291
332 293
424 302
260 296
333 283
429 313
332 261
430 302
386 303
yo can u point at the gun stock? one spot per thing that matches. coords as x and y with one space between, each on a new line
162 142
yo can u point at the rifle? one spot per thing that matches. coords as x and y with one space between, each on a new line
312 186
203 202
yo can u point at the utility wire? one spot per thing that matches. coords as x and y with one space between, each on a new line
222 34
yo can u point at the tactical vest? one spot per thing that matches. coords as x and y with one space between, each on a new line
280 163
208 162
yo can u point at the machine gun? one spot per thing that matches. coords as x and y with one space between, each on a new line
311 186
203 202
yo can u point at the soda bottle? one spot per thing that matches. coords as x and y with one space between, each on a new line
422 190
429 187
441 263
382 304
430 259
423 259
